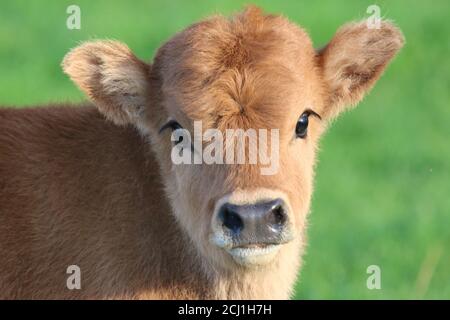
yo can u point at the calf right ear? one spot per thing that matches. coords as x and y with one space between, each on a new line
112 77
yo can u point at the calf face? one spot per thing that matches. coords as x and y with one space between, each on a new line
252 71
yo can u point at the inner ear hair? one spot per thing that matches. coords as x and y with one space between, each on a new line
112 77
354 60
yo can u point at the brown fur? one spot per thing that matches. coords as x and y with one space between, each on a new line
104 195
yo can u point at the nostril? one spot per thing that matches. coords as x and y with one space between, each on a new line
231 219
277 216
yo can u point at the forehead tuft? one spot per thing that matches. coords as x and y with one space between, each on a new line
244 61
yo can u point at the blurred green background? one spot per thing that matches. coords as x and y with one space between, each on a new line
382 188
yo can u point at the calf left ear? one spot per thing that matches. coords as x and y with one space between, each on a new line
354 60
113 78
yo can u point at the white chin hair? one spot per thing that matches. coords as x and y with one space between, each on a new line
254 256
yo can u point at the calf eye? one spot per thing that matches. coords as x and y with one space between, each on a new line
173 125
301 129
302 126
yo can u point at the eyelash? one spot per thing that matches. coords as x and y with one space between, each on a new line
311 112
172 124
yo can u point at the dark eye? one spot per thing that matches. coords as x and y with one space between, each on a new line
173 125
302 126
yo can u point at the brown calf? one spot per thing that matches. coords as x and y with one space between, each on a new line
105 194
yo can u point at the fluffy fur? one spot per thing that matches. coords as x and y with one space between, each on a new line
103 194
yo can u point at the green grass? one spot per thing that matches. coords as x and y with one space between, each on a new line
382 190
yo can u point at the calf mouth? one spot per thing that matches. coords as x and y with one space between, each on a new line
250 254
254 254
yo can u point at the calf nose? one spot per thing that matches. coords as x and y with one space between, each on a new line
262 222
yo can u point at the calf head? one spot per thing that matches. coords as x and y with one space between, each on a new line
252 71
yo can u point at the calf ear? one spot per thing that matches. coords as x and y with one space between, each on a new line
354 60
113 78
